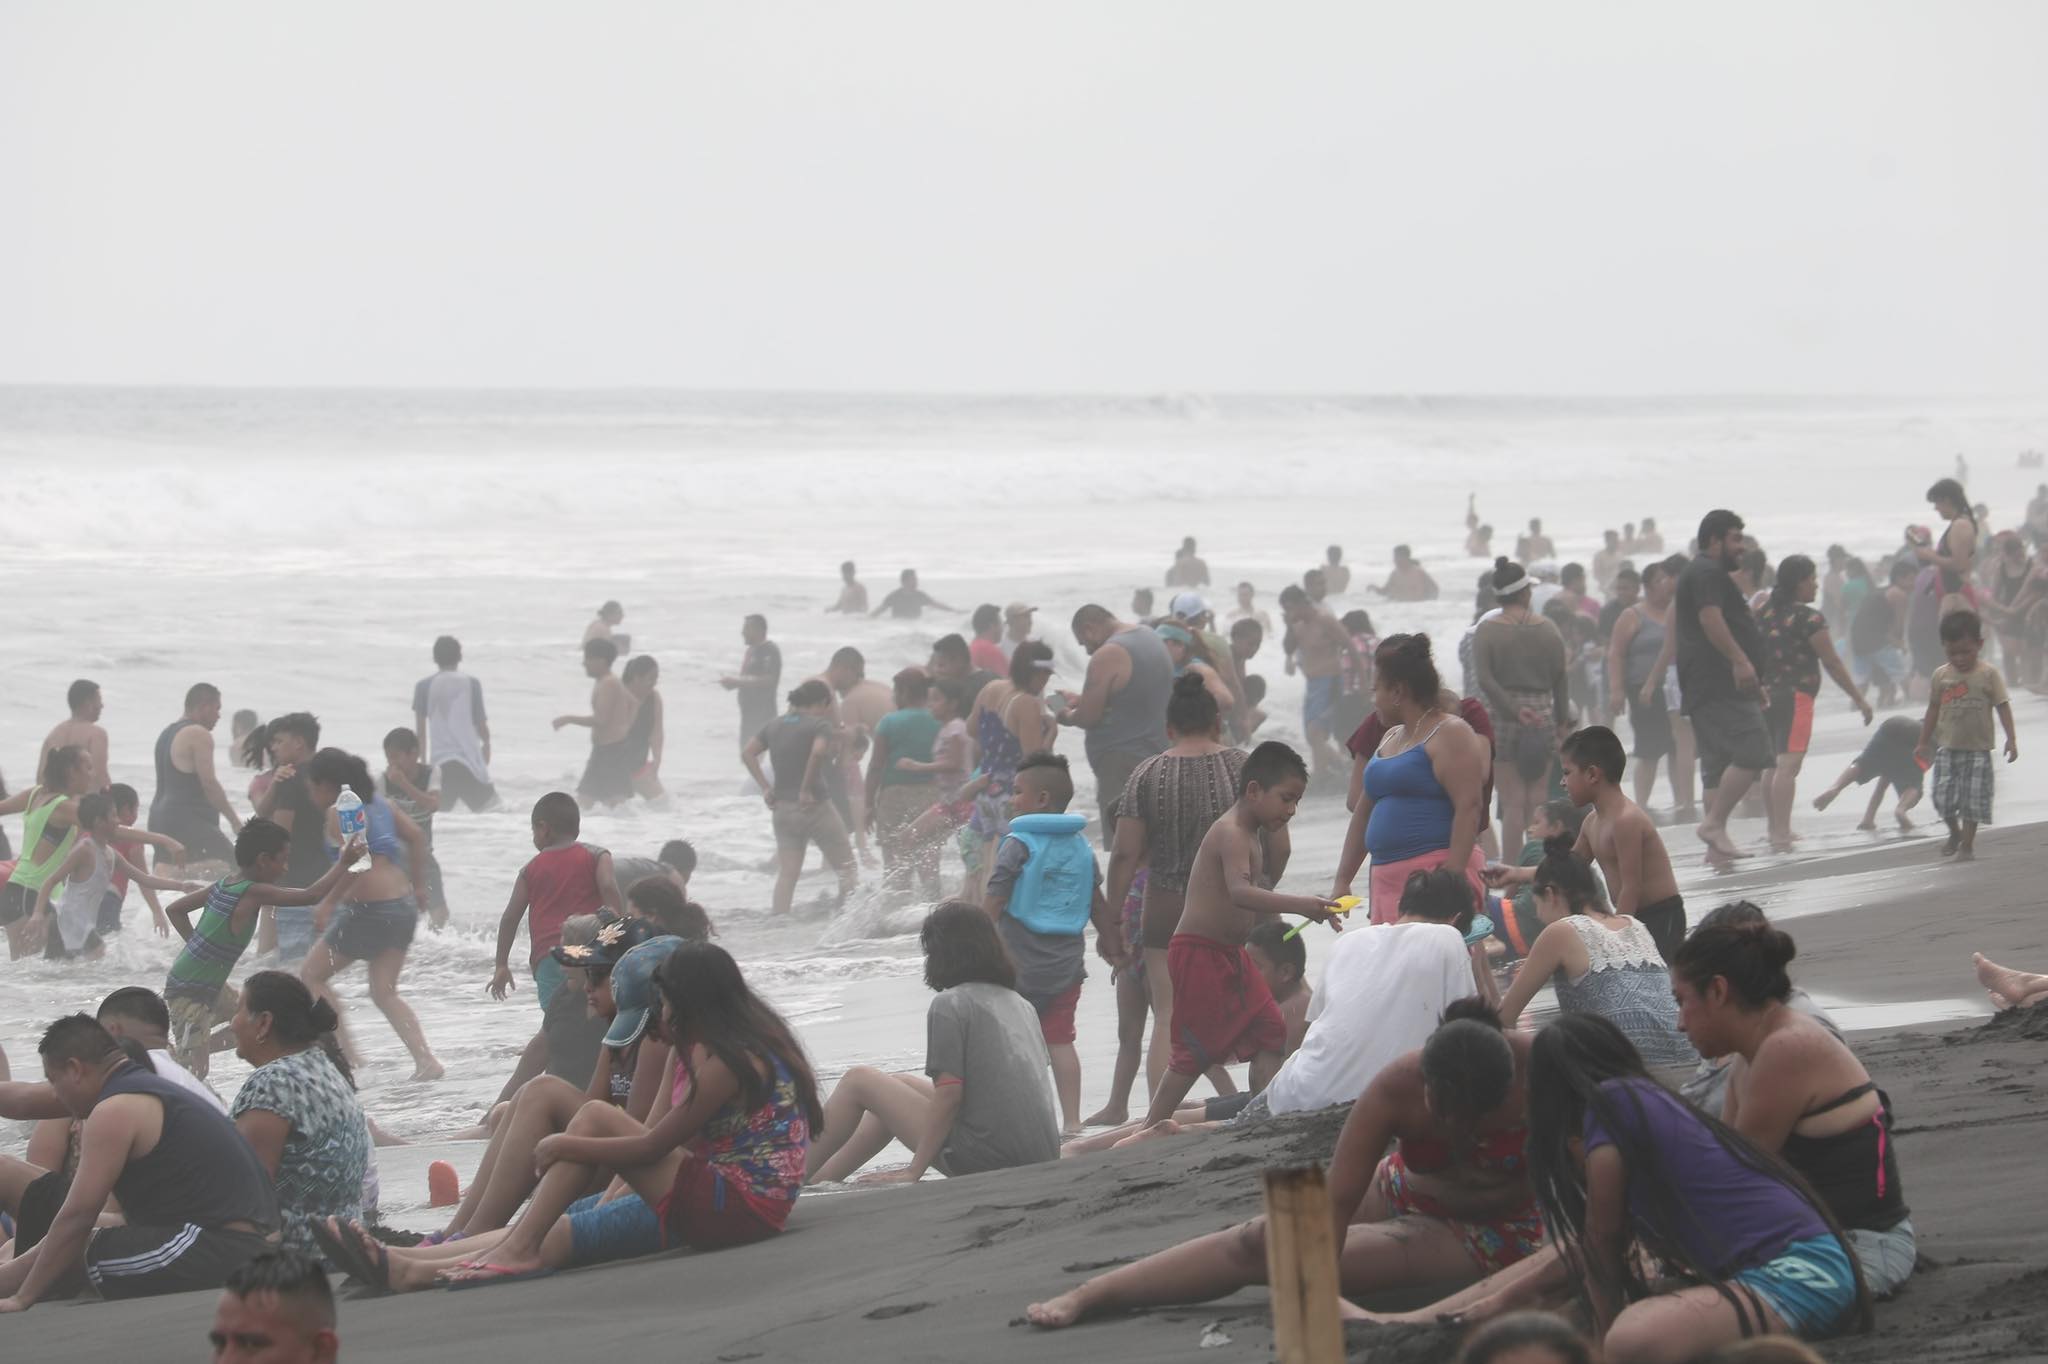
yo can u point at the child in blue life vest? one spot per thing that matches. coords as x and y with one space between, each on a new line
1042 894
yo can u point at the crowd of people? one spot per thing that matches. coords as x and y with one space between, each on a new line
1687 1102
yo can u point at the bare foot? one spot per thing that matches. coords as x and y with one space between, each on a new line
2001 981
1165 1127
429 1070
1824 800
1948 849
1064 1310
1905 820
1108 1116
1869 826
1998 1001
1966 855
1717 840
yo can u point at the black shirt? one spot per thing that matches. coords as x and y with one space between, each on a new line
307 860
201 1170
1704 675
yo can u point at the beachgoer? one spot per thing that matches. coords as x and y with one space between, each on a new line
605 626
289 803
853 597
897 795
986 648
1188 568
196 990
1246 609
1600 961
1319 652
1408 581
1017 623
1164 811
85 876
1384 987
1719 648
1520 665
298 1109
1452 1200
275 1309
955 786
908 601
1190 658
800 746
1478 536
1956 552
195 1201
1616 1157
49 831
1877 651
189 803
1535 545
448 712
1956 733
862 703
564 877
608 777
1223 1010
1043 892
1421 791
1121 707
720 1166
372 917
1634 652
1011 721
1795 1088
1607 559
758 680
1797 646
952 660
250 748
128 813
983 1102
407 786
646 740
1888 760
81 729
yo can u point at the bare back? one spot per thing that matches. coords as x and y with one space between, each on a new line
1631 828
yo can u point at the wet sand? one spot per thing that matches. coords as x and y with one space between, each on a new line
943 1271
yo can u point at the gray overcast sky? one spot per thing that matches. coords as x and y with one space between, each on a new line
1108 195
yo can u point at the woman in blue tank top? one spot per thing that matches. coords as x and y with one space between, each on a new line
378 908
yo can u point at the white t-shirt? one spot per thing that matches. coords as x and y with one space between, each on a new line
167 1066
1383 989
453 703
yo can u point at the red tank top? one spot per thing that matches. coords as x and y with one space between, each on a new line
560 882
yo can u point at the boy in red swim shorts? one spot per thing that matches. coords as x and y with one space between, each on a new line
1223 1010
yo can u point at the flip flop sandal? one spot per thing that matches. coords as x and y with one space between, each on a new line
478 1275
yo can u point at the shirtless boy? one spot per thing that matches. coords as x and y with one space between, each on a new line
608 779
82 730
1320 646
1223 1010
853 596
1619 836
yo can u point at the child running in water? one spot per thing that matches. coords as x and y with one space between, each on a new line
564 877
196 991
1961 699
1222 1008
86 877
128 810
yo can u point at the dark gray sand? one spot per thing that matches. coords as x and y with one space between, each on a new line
943 1271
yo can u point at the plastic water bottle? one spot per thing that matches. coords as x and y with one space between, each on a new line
348 810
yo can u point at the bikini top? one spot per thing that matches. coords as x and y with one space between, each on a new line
1856 1173
1503 1152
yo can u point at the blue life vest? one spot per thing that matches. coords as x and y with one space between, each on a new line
1056 890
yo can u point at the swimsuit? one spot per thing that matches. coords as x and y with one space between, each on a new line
1493 1244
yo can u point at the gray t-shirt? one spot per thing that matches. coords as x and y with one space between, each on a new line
788 741
1048 964
988 1037
629 870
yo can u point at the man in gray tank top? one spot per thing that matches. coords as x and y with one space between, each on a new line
1122 704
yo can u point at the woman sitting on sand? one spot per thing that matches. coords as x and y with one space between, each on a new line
629 1075
298 1108
1796 1089
1601 962
719 1167
984 1101
1452 1201
1617 1159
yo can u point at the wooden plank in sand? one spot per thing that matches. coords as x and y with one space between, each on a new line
1301 1266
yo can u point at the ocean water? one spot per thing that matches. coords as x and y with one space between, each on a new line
302 549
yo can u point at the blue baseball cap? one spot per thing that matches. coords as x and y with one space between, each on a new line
633 990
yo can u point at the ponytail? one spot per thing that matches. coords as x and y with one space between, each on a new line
333 767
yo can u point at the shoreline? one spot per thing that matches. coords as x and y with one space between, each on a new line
965 1256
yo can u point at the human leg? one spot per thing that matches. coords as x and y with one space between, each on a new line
1132 1008
1159 984
789 865
1672 1328
384 970
540 1238
1066 1083
1784 787
2007 987
545 1106
1684 763
899 1106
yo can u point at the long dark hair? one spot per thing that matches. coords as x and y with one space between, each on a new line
709 1003
961 948
297 1018
1570 1061
333 767
1793 572
1190 710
